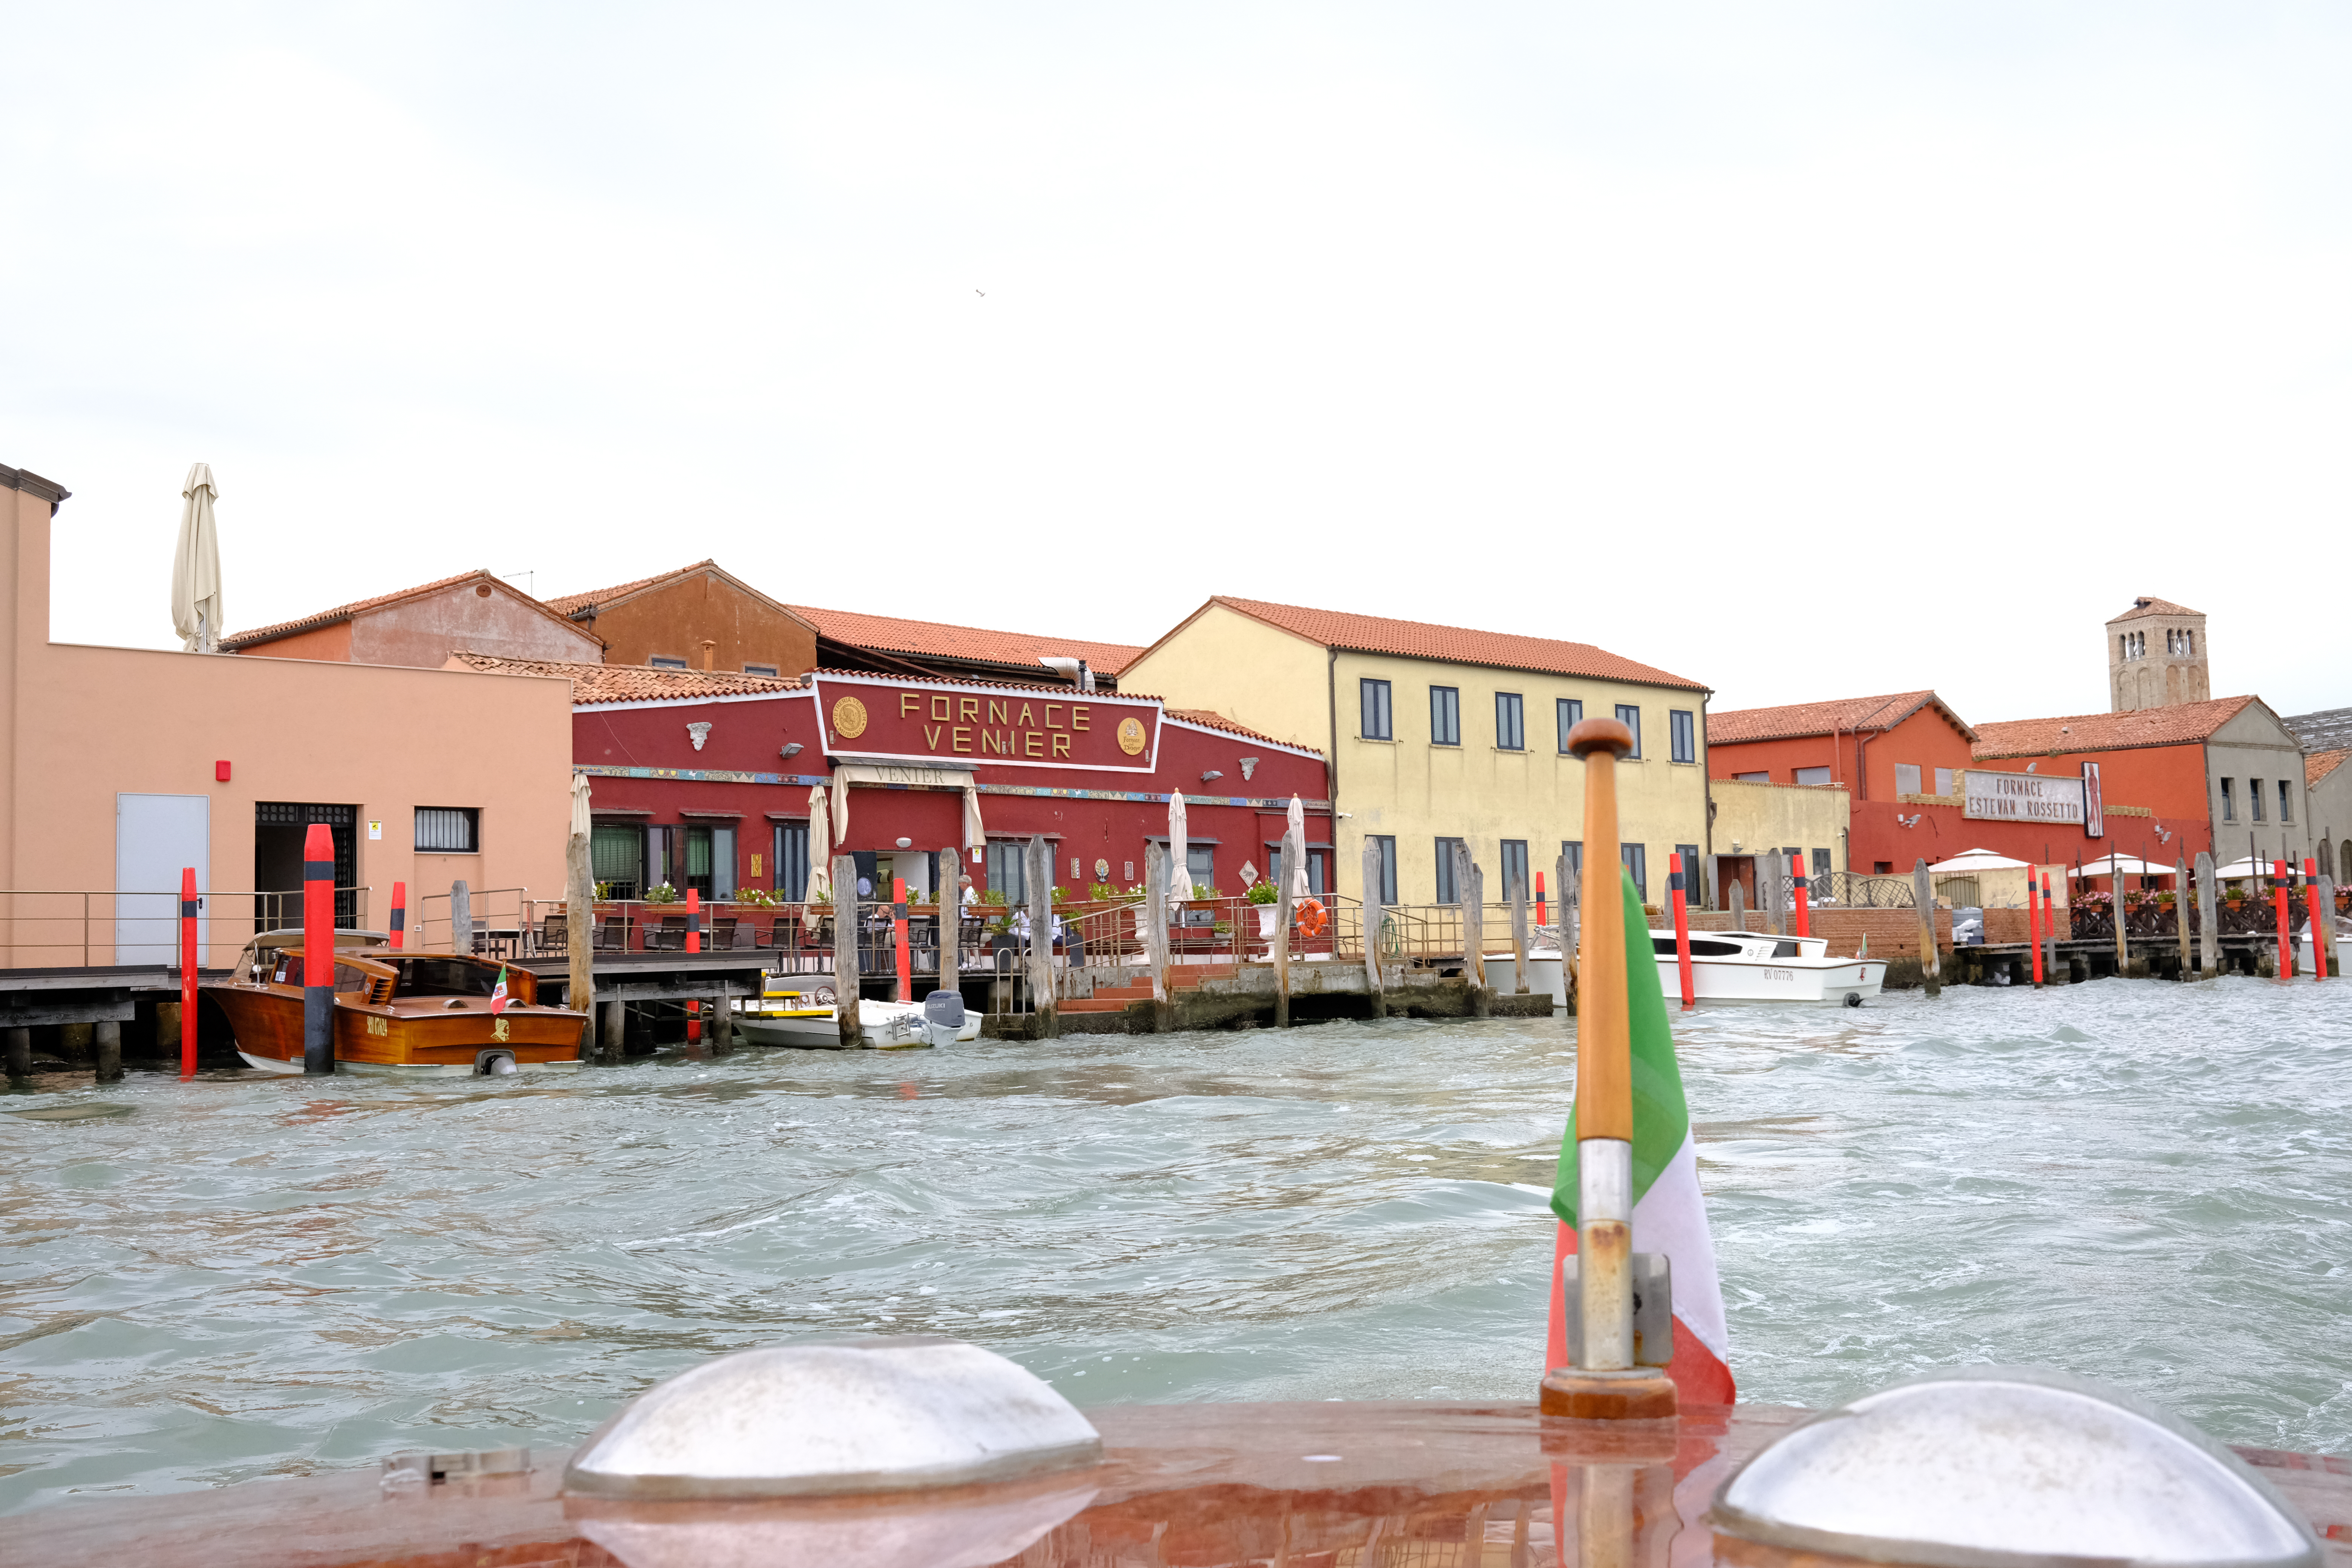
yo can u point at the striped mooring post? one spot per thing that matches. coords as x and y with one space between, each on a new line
317 955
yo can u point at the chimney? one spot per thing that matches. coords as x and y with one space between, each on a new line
710 654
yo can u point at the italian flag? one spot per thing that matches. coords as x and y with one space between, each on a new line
1669 1211
498 1005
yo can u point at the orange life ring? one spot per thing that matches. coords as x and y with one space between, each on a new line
1312 921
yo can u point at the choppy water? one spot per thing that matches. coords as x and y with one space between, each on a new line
2140 1181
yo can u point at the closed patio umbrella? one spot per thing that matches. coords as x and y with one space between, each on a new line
820 864
1180 851
975 835
1297 819
195 567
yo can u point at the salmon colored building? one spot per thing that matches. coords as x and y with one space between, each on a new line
119 766
422 627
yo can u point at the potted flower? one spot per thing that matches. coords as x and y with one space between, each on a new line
1266 895
661 893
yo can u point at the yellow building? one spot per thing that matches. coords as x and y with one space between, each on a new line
1440 733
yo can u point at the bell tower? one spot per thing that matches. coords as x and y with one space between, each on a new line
2156 657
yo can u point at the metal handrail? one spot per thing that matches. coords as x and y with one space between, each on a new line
87 917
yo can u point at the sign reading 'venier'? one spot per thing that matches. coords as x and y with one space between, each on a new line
967 726
2023 797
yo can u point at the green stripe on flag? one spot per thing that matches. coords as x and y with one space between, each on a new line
1661 1118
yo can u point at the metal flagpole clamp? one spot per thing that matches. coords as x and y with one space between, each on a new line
1620 1303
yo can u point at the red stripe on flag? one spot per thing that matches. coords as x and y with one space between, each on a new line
1699 1375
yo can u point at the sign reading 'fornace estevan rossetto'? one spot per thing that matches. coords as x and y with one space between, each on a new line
965 726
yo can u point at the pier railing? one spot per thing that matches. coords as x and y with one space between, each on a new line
53 927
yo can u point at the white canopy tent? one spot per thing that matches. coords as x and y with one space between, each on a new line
2121 864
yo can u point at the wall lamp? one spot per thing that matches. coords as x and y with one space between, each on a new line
1212 775
791 751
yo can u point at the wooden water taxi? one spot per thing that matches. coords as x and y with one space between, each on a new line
397 1014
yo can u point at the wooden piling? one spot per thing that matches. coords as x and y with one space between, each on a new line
20 1053
1568 894
580 906
1156 861
106 1049
1931 961
1776 892
1375 914
1043 1002
612 1032
1482 995
950 895
1737 898
1518 892
845 953
2123 936
2180 905
461 917
2322 936
2208 934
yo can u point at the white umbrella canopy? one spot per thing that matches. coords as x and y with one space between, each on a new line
2243 868
2121 864
1297 816
820 865
582 824
195 567
975 835
1977 861
1180 849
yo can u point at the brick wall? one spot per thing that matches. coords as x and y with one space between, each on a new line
2005 926
1893 933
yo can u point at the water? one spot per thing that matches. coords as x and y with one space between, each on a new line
2140 1181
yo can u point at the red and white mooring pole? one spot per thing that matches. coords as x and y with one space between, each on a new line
2280 899
189 901
1681 927
693 945
399 915
2318 938
1804 910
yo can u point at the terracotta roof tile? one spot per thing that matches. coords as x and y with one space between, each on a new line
1798 719
2181 724
1210 719
1048 688
2145 606
573 603
2318 765
597 683
931 639
239 640
1456 645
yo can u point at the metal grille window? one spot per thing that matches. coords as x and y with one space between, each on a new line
1683 734
1630 716
615 857
1515 869
1637 865
1447 891
1510 723
1570 712
449 829
1444 716
1375 698
1386 893
1818 863
791 841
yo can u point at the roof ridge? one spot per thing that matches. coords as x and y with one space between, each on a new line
565 604
1498 650
236 641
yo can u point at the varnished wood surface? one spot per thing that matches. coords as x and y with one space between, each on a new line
408 1031
1192 1486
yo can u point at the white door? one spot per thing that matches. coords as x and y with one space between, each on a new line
155 837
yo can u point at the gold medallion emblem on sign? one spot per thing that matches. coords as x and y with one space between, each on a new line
498 1029
1130 736
850 718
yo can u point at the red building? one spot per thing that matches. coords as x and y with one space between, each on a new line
1887 751
2156 783
702 779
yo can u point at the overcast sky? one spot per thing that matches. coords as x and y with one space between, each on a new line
1804 350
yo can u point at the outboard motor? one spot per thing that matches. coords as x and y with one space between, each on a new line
943 1017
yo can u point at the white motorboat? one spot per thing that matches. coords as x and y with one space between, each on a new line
1756 966
787 1015
1733 966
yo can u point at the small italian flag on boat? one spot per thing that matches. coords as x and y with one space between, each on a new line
1669 1211
498 1005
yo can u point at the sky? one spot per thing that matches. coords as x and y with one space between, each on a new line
1803 350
